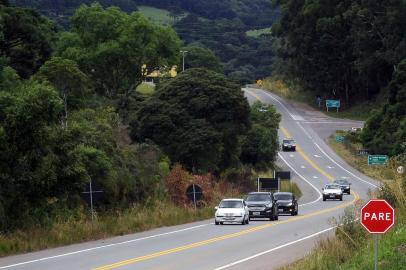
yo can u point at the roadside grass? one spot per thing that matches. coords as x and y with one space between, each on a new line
145 88
356 251
135 219
257 32
292 91
159 16
347 152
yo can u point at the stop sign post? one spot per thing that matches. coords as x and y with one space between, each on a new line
377 216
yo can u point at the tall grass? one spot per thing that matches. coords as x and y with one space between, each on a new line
135 219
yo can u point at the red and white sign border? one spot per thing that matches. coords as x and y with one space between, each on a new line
393 220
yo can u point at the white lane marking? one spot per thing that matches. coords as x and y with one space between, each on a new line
305 131
291 155
301 176
303 167
359 178
330 167
317 156
315 177
100 247
275 248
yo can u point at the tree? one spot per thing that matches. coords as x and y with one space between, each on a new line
260 146
385 130
25 39
197 118
199 57
111 47
67 78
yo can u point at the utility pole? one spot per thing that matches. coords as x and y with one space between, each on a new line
183 59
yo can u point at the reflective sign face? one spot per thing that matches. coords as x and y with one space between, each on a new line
377 216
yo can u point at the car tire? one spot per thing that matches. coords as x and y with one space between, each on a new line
341 197
324 198
271 218
349 192
216 223
276 217
247 221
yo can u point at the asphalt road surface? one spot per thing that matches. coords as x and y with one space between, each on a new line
261 245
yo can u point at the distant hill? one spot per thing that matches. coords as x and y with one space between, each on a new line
222 26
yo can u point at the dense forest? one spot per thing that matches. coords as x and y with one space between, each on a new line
217 25
352 51
70 114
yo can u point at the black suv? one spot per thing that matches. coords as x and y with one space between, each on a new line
344 184
287 203
288 145
262 205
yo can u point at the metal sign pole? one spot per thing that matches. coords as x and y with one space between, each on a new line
194 196
258 183
91 197
376 251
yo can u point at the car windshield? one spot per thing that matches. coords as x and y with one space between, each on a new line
288 141
341 182
332 187
283 197
258 197
230 204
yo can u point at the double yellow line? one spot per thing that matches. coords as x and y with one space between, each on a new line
244 232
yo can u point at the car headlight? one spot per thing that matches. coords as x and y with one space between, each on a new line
289 204
269 205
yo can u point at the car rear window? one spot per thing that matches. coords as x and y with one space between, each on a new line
231 204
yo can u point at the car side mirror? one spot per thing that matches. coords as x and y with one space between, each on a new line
216 207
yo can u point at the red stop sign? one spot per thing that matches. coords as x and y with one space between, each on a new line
377 216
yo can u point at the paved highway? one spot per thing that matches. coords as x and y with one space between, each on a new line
259 245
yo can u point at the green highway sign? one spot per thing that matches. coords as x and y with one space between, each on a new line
331 103
339 138
377 159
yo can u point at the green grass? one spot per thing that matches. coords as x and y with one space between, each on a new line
135 219
258 32
159 16
292 91
145 89
355 251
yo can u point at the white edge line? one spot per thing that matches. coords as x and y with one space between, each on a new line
100 247
359 178
301 176
273 249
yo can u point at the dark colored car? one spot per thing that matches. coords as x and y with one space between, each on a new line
344 184
288 145
287 203
262 205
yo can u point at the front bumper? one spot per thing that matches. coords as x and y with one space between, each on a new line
261 214
232 219
286 209
332 196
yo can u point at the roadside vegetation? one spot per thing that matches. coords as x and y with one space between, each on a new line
74 112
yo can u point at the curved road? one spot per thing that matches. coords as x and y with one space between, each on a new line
259 245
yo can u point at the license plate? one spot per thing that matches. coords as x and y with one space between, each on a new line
332 196
280 210
256 213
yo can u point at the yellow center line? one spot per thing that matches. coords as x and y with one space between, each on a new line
244 232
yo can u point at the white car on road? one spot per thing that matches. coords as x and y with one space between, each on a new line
233 211
332 191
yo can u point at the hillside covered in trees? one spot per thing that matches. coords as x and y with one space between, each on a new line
220 26
352 51
70 114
